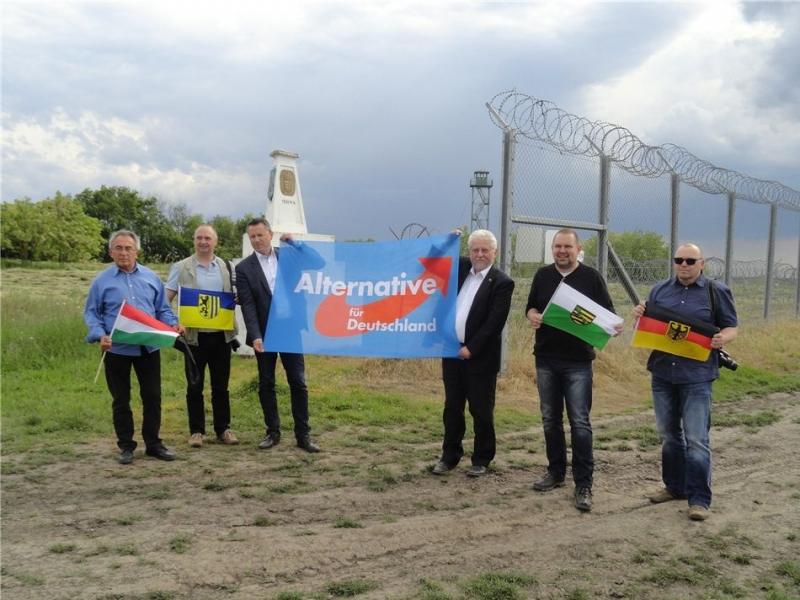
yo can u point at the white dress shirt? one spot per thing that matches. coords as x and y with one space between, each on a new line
269 264
465 297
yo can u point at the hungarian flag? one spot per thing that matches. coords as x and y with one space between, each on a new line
134 326
668 331
579 315
205 309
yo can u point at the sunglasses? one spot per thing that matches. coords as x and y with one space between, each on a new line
679 260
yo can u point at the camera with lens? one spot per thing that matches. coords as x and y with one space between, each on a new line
726 360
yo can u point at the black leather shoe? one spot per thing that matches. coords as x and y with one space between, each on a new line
548 482
160 452
125 457
307 445
270 440
583 498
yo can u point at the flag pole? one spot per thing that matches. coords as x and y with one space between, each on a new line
100 366
103 358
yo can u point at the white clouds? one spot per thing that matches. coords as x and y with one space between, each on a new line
701 90
71 153
383 100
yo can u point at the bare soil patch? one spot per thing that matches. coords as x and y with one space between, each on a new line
235 522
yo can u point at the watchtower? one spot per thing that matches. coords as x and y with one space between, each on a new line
481 192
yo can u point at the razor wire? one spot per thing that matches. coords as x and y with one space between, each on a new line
543 121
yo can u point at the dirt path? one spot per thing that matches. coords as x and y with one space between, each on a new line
238 523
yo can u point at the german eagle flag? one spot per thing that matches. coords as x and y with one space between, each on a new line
668 331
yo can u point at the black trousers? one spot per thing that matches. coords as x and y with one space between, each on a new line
462 386
118 377
295 367
212 351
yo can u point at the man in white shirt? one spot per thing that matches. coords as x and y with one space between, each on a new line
482 306
255 280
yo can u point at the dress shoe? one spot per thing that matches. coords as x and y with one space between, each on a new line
441 467
477 471
307 445
228 438
664 495
583 498
698 513
270 440
125 457
196 440
160 452
548 482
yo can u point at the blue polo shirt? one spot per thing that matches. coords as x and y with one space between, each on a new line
140 288
692 301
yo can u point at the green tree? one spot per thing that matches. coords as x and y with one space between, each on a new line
635 245
124 208
54 229
20 228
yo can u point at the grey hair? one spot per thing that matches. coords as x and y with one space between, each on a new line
127 233
482 234
259 221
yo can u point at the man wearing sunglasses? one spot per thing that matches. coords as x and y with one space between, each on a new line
682 386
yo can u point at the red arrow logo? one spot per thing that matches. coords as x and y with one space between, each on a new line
334 311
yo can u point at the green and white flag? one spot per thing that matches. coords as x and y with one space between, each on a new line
579 315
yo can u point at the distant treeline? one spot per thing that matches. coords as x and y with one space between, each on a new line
68 228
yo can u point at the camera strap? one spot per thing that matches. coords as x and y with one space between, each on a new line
712 300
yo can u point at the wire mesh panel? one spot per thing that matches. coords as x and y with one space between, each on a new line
551 185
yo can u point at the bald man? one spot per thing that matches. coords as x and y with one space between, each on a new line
682 386
210 348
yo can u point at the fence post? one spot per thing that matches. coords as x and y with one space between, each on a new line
797 273
729 239
505 225
773 224
675 198
602 235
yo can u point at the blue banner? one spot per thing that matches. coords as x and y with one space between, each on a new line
379 299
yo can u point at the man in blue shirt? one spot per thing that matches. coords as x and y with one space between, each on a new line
682 386
140 287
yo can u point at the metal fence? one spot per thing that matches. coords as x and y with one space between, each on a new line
561 170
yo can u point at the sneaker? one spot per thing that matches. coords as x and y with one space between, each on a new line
125 457
477 471
583 498
548 482
664 495
698 513
228 438
441 467
196 440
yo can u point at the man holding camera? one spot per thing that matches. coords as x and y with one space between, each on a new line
682 386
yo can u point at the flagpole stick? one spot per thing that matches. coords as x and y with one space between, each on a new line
100 366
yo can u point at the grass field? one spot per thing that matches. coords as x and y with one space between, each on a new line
379 422
48 371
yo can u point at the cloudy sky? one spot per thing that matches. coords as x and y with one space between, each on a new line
384 101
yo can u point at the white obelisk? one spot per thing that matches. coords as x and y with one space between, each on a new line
285 213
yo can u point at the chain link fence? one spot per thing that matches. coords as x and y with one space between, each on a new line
561 170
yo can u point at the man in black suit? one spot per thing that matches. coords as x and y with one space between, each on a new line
255 280
482 305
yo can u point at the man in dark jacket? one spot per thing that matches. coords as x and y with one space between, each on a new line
482 305
255 280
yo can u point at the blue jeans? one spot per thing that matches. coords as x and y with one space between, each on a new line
683 418
560 383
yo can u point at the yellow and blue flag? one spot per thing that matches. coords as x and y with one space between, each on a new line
205 309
